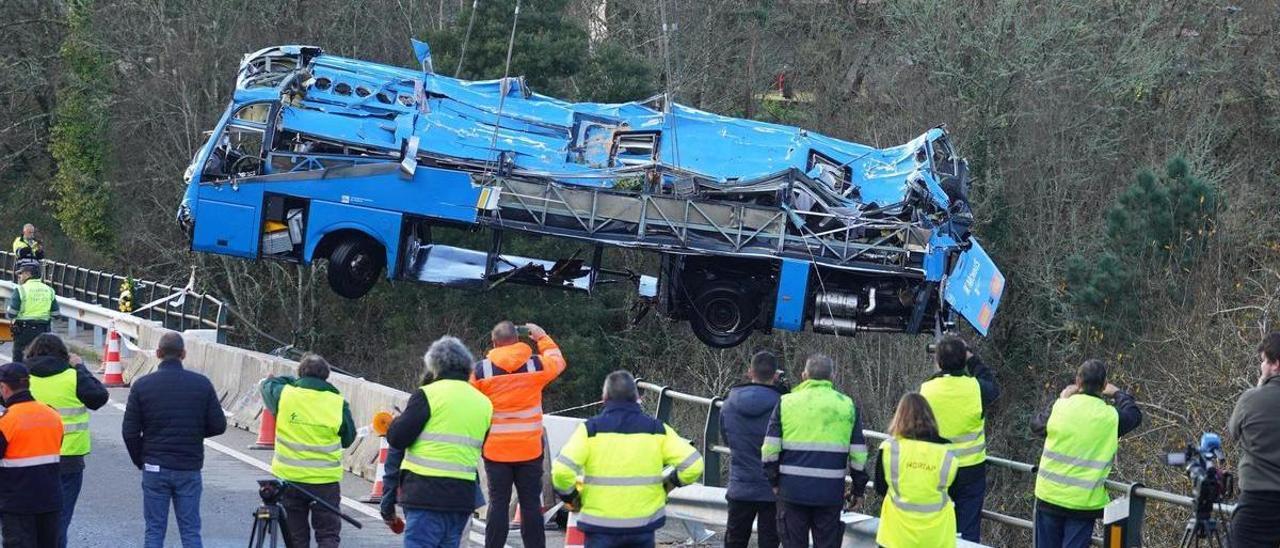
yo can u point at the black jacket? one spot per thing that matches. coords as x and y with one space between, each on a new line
743 421
1130 419
89 390
421 492
33 489
170 412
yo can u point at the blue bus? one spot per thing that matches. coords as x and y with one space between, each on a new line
371 168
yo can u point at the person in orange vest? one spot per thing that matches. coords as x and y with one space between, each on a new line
30 473
512 377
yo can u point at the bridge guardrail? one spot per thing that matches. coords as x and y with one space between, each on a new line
101 288
1134 495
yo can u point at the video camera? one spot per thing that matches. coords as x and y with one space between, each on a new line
1209 483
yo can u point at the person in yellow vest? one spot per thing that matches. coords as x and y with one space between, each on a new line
26 246
915 470
32 307
60 380
960 393
313 425
442 432
1081 437
613 469
30 434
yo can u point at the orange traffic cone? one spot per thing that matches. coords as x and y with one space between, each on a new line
266 431
375 495
573 537
113 376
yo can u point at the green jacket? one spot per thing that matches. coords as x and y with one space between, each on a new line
274 386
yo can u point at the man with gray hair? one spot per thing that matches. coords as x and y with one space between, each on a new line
441 431
622 501
26 246
313 425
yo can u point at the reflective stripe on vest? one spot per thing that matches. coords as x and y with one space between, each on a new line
36 301
621 523
916 509
485 369
449 445
308 447
29 461
1079 450
957 404
59 392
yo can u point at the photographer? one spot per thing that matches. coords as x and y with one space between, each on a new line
1255 425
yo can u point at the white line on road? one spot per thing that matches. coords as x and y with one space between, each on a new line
348 502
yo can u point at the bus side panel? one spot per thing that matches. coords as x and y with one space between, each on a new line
793 290
433 193
230 221
326 217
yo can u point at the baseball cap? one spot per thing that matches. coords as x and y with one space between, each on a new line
13 372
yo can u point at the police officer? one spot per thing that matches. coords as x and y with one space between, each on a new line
313 425
611 469
60 380
1081 437
30 488
26 246
959 394
814 437
916 466
441 431
32 306
512 376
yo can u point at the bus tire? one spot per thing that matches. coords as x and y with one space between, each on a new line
723 314
354 267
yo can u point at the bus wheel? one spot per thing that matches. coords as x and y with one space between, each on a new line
724 314
354 266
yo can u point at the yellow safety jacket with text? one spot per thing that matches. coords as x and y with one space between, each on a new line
308 446
917 511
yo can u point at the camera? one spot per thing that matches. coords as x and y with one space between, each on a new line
1209 483
522 331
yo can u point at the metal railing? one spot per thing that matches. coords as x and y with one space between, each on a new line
97 287
1134 495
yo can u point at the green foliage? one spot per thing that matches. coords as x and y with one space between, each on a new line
1157 220
78 142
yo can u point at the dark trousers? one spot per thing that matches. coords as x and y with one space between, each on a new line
71 482
527 478
742 514
969 496
624 540
298 507
1055 531
1256 522
23 333
29 530
796 522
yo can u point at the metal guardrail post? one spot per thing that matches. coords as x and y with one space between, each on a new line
1137 514
663 412
710 438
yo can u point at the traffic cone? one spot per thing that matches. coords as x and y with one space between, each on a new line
375 496
113 376
573 537
266 431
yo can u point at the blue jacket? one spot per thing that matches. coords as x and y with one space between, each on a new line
743 421
170 413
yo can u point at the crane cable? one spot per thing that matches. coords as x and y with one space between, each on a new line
502 86
471 21
666 64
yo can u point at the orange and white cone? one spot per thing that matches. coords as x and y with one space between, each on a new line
113 376
573 536
375 495
266 431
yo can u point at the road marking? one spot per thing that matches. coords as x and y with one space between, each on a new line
348 502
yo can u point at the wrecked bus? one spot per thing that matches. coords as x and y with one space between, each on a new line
758 226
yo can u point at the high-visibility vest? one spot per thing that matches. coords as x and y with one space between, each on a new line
916 509
308 447
1079 449
620 473
957 405
59 392
19 243
449 445
34 435
36 300
516 393
815 448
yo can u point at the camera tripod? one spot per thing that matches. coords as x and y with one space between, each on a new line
1207 529
270 518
